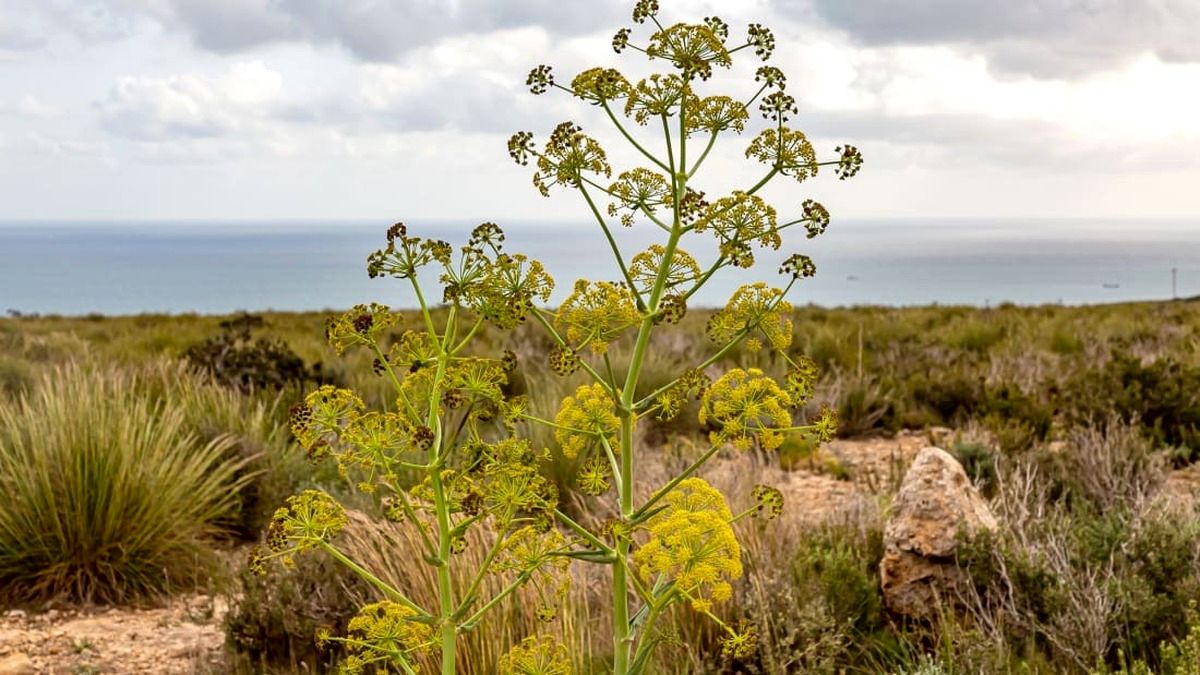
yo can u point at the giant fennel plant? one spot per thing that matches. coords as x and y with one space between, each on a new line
451 455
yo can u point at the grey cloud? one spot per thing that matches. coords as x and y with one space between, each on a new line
376 30
462 102
16 38
968 139
1057 38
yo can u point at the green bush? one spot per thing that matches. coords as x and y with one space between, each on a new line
236 359
272 624
108 497
1163 395
978 462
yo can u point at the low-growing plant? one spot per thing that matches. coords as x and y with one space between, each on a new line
235 358
108 496
449 456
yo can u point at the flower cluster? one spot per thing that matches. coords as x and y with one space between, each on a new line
638 190
325 413
656 96
798 266
381 634
692 543
849 163
691 385
754 308
537 655
739 220
512 485
585 418
536 554
768 501
692 48
801 380
404 255
715 114
568 155
307 520
681 269
362 325
595 314
745 406
600 85
786 150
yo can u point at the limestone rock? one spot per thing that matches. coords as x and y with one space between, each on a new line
935 503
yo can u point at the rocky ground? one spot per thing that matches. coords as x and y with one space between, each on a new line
184 637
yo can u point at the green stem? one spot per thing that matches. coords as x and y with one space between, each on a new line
424 308
387 589
445 583
622 631
562 342
612 244
582 531
508 590
632 141
712 140
666 489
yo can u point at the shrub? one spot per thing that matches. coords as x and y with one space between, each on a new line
978 462
236 359
108 497
273 621
1163 395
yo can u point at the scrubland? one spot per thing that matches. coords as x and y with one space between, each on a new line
135 452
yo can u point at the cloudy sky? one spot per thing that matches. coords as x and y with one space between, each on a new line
384 109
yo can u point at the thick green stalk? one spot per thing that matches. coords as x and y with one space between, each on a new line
622 632
445 587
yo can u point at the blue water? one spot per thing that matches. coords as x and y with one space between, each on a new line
115 268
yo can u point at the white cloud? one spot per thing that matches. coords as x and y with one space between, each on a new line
192 106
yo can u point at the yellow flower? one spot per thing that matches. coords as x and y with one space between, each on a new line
643 268
656 95
306 520
600 84
715 114
746 405
755 307
568 155
693 544
537 655
324 415
638 189
787 150
584 418
740 219
692 48
595 314
362 325
382 633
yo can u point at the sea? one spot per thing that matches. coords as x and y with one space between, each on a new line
80 268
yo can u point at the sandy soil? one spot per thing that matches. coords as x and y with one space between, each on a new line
184 637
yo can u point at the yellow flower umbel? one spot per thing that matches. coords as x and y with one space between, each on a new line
692 543
309 519
595 314
537 655
746 405
755 309
586 418
382 634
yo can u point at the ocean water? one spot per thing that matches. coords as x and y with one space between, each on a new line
177 267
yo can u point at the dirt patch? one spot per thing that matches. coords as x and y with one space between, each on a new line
184 637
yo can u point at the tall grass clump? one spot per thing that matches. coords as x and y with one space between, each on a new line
108 495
